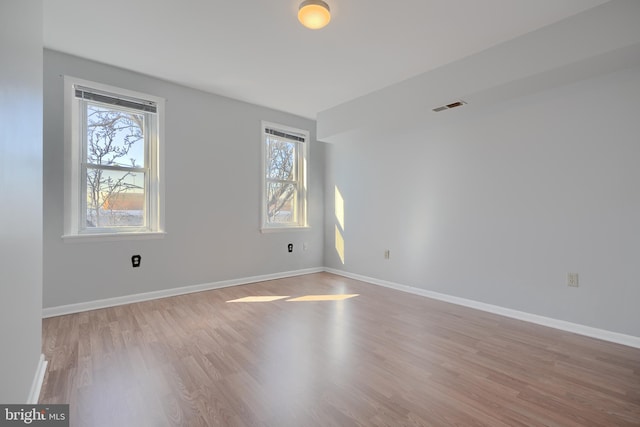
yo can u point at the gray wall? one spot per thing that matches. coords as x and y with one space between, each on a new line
212 196
501 204
21 195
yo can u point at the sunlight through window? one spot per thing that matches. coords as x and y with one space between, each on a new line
269 298
339 244
259 299
339 212
339 207
339 297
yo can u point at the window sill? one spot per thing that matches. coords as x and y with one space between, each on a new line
285 228
110 237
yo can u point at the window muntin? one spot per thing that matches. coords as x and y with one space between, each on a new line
113 173
284 177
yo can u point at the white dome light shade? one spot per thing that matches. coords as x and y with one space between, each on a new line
314 14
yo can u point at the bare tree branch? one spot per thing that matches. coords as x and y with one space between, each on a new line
111 134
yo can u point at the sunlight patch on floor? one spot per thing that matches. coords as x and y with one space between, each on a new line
339 297
331 297
259 299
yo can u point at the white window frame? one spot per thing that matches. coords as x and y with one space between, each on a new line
301 168
74 207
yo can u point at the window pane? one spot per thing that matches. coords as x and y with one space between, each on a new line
281 202
281 159
114 137
115 198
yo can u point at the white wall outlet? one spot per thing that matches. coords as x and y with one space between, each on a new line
387 254
573 280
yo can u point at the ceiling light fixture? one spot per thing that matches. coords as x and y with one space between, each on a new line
314 14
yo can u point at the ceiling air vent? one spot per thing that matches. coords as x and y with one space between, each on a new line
449 106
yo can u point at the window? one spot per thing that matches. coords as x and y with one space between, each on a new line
113 171
284 190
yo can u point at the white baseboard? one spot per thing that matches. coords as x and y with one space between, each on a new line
38 379
128 299
628 340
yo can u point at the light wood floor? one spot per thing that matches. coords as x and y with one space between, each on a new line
383 358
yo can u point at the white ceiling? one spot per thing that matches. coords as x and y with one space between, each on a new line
256 51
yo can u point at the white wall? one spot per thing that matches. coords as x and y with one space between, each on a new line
212 197
21 195
500 202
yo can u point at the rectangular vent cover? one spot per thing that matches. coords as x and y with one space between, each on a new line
450 106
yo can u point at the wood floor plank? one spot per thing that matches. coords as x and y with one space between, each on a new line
382 358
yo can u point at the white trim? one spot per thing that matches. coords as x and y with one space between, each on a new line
38 380
105 237
128 299
287 228
73 175
301 167
615 337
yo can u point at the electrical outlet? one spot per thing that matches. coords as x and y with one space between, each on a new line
290 247
573 280
387 254
136 260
